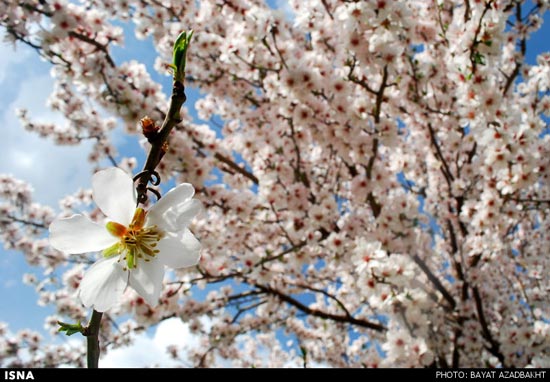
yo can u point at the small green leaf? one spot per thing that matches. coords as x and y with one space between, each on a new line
180 53
479 59
70 329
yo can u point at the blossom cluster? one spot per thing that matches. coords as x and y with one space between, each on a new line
375 175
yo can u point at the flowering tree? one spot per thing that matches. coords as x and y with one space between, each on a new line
375 178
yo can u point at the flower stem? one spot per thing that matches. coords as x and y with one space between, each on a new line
92 338
172 118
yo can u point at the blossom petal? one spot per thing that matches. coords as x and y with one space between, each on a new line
178 217
103 284
175 196
165 212
115 195
179 250
78 234
187 211
146 279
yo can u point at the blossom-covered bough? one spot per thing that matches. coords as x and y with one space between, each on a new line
374 176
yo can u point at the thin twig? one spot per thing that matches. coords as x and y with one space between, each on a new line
171 119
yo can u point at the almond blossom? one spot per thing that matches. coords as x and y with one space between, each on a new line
135 244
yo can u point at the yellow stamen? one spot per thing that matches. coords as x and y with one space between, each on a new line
116 229
138 220
136 242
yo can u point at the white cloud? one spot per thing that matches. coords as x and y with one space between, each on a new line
285 7
53 171
9 56
10 283
149 350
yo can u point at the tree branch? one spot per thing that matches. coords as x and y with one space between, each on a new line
13 219
523 48
445 168
236 167
92 338
435 281
158 148
318 313
494 349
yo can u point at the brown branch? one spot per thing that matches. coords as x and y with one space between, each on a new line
445 169
274 30
245 309
475 42
523 49
318 313
92 338
294 248
368 168
91 41
236 167
380 95
435 281
230 163
328 295
456 264
13 219
324 2
467 11
534 201
171 119
456 346
494 349
361 82
299 175
373 203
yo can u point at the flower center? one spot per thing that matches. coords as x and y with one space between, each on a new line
136 241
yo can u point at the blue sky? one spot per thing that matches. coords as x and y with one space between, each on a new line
25 82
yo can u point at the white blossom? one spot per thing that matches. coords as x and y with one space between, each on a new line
135 244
